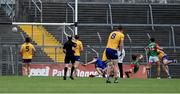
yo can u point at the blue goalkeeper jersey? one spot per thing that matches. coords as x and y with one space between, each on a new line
100 64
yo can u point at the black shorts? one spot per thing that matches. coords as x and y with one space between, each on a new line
27 60
69 59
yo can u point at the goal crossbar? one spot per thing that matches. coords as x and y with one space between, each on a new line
57 24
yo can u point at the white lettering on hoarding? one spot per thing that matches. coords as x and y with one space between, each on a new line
57 72
40 72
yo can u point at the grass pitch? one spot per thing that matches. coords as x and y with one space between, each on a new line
19 84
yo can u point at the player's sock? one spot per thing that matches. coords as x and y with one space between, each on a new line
72 78
169 77
65 72
168 74
107 79
72 70
104 75
127 74
116 80
158 77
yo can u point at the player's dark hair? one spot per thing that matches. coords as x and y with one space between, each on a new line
76 37
95 57
152 39
69 37
134 57
27 40
120 27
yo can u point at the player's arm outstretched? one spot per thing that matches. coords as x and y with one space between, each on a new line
140 56
90 62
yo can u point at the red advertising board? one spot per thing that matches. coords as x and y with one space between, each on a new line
83 71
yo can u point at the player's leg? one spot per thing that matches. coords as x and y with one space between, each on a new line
114 60
165 66
166 61
112 55
65 71
168 73
99 71
28 67
115 69
109 65
120 69
158 69
25 67
166 70
73 67
67 60
156 59
149 65
109 71
128 73
76 64
104 71
72 71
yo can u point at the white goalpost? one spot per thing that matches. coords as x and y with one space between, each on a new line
56 24
59 30
76 17
49 24
75 24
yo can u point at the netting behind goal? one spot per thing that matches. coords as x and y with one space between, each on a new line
48 39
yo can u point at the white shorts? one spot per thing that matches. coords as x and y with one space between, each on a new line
121 56
153 59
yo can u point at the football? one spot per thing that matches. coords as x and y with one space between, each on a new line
14 29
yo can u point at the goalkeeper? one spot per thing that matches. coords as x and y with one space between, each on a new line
135 65
101 65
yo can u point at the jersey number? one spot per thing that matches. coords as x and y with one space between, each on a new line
27 48
113 36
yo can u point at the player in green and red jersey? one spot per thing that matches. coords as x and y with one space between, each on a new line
152 51
135 65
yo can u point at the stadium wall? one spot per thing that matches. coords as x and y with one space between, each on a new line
41 70
83 71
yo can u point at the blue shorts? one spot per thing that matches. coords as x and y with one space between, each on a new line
111 53
101 66
77 58
165 57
